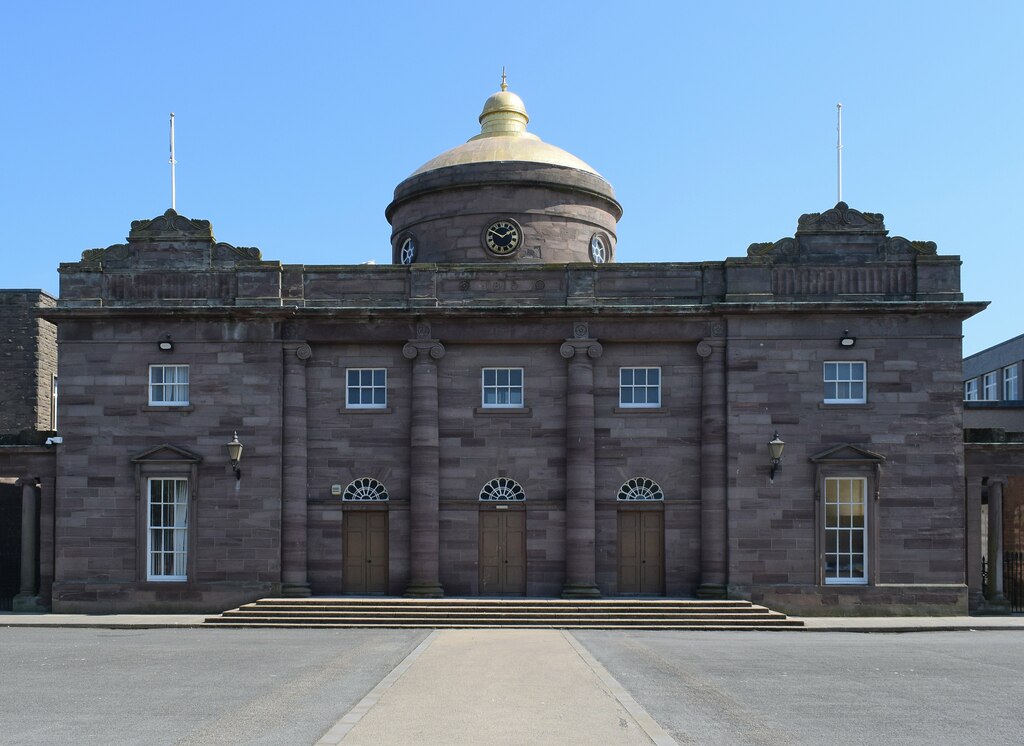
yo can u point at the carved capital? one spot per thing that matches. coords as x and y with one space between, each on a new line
431 346
704 349
301 350
423 330
581 330
570 347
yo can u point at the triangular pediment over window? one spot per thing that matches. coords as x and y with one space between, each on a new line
847 454
166 454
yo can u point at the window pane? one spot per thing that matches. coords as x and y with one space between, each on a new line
380 377
516 377
489 376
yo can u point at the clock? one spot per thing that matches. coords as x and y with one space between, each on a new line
408 252
503 237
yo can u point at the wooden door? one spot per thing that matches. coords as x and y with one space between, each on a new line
641 552
365 552
502 553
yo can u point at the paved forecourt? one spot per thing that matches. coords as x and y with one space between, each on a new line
508 686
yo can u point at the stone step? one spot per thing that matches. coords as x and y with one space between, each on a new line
464 614
431 625
320 613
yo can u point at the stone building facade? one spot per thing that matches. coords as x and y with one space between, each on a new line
28 390
506 410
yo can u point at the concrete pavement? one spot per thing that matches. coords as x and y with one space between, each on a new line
811 624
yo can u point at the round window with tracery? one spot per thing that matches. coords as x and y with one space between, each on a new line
365 489
502 489
641 488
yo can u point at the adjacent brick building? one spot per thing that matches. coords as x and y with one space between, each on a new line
507 411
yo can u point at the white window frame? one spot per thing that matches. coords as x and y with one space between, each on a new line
502 489
971 389
1011 385
633 387
372 387
176 532
175 388
838 382
990 386
365 489
835 546
503 394
53 402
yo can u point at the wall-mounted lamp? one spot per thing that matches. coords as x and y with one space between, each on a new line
235 454
846 340
775 446
165 343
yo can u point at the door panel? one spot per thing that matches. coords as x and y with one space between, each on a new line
502 553
365 552
641 552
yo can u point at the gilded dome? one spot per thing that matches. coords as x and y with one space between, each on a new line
503 137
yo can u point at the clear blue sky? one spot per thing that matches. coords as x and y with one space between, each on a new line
715 122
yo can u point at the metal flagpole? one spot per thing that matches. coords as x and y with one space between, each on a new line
839 152
173 163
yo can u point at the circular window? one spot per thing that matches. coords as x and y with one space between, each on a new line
365 489
407 254
598 250
502 489
640 488
503 237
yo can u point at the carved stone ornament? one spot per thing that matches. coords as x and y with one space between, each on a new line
422 330
784 246
170 227
569 349
303 352
704 349
432 347
841 219
581 330
900 245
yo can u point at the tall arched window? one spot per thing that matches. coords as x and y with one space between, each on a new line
365 489
502 489
640 488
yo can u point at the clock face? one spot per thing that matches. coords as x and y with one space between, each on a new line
408 252
503 237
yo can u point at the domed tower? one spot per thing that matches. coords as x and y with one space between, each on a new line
504 196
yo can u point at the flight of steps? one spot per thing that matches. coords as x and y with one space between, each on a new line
683 614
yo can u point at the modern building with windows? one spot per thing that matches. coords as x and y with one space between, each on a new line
994 444
507 410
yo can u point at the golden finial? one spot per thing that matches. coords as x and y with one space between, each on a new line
504 85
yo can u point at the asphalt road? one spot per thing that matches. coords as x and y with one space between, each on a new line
223 686
191 686
823 688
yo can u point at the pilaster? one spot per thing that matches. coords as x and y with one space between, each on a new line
714 545
424 467
294 475
580 519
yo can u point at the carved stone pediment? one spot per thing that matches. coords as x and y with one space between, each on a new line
847 453
166 453
841 219
171 227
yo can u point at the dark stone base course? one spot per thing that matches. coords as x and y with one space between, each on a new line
111 598
861 600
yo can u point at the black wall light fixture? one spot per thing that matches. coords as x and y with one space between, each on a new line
775 446
235 455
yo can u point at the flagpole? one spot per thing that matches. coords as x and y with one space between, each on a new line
173 164
839 152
